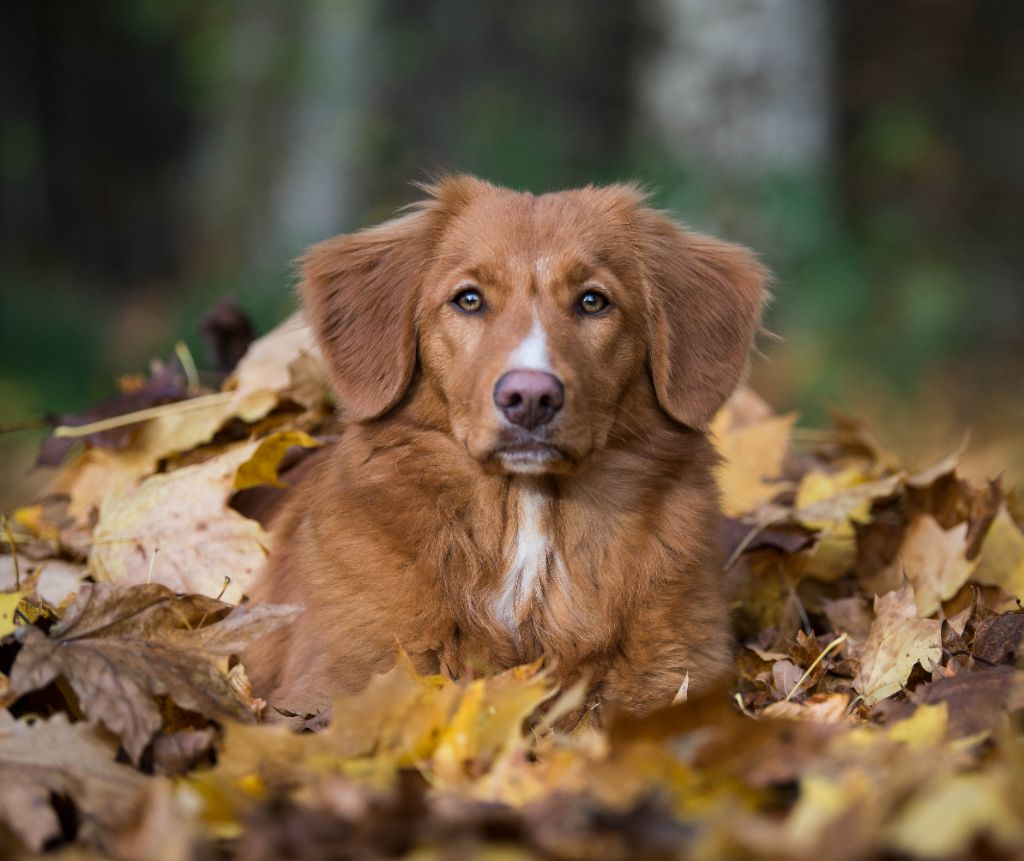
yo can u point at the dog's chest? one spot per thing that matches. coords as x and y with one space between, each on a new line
530 558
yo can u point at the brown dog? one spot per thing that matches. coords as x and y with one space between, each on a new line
523 472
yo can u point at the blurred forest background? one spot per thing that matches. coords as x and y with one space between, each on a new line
155 156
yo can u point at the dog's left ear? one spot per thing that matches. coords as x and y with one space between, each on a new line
705 299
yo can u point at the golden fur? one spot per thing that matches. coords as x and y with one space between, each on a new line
415 531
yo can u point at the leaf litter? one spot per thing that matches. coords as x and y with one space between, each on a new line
873 711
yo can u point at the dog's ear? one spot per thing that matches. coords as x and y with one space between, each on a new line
360 292
705 299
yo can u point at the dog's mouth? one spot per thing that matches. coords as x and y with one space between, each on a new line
530 457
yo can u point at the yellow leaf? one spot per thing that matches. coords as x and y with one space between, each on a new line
33 518
817 484
1002 556
752 460
823 799
833 513
944 821
926 727
262 467
8 609
460 741
829 559
897 641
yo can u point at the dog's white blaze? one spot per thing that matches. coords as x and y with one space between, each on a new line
531 354
528 562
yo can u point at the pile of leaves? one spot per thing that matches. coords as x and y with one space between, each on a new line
872 712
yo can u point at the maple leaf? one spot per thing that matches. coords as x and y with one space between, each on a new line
752 460
41 757
935 561
1002 556
177 529
897 641
120 648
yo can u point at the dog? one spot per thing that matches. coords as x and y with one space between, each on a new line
523 471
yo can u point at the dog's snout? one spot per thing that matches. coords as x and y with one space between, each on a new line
529 398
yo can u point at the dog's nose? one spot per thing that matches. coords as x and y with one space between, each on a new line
529 398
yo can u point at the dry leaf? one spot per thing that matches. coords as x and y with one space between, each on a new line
834 512
945 821
58 581
753 456
283 365
285 362
935 561
52 756
9 602
120 648
898 640
177 529
1002 556
820 708
263 464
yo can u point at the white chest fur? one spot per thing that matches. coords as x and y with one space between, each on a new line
529 558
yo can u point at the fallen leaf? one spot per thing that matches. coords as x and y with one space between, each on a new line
177 752
165 384
1002 556
177 529
897 641
283 365
57 581
829 559
852 503
976 701
9 602
997 638
120 648
263 464
820 708
850 616
944 822
41 757
817 485
752 460
785 675
935 561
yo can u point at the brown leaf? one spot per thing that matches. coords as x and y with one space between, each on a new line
120 648
52 756
976 701
177 752
850 616
228 332
997 638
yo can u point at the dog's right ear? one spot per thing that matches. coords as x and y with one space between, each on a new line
360 292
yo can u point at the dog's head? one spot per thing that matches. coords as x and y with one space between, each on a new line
531 318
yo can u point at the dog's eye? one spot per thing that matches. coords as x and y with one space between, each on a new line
469 301
592 302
